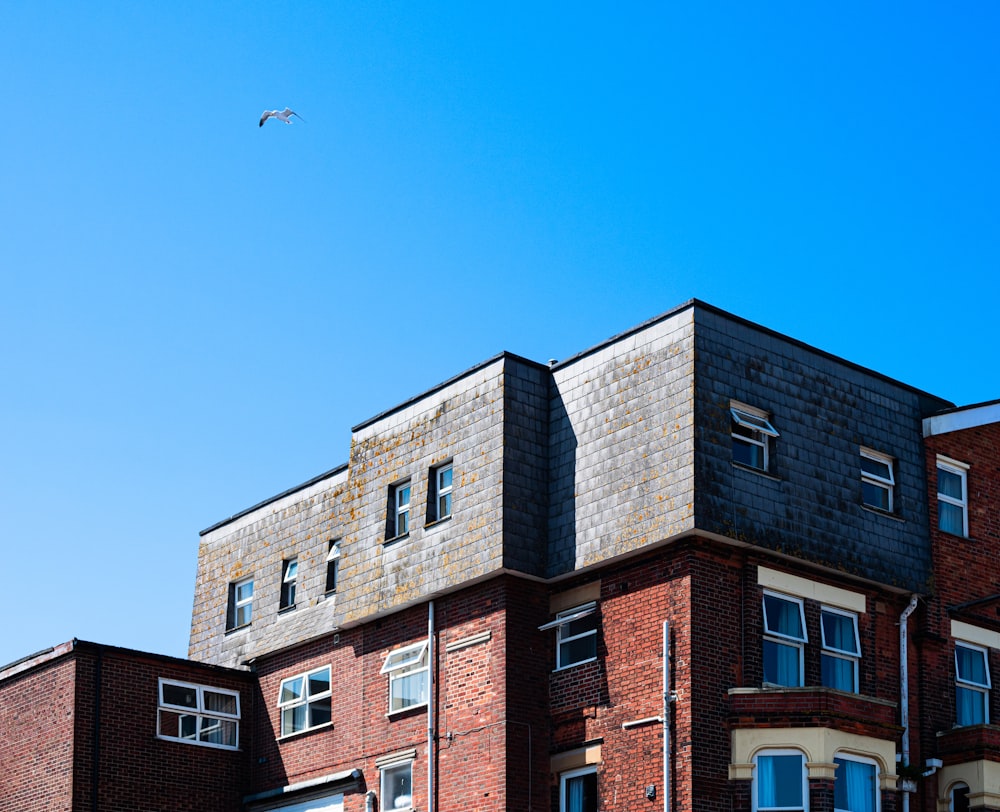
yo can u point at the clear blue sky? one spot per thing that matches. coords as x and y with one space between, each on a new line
196 310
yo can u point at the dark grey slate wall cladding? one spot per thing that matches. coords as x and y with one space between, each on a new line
525 466
825 410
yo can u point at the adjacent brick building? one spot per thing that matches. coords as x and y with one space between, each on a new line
696 567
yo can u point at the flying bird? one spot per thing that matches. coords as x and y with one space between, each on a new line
282 115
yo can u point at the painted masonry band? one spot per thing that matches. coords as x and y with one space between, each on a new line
700 566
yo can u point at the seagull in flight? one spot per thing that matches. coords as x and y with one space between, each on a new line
282 115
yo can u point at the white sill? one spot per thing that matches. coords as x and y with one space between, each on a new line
752 470
298 733
407 709
879 512
573 665
394 539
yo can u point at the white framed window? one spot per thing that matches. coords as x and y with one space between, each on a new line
780 782
198 714
855 784
289 581
841 649
752 433
953 499
240 611
397 786
305 701
784 639
441 478
332 566
877 481
958 798
408 672
972 685
400 495
576 641
578 790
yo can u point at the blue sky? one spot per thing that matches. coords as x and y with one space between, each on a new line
196 310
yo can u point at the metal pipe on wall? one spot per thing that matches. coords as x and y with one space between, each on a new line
431 669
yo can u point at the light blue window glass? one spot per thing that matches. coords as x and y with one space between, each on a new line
855 786
972 684
779 782
840 650
784 627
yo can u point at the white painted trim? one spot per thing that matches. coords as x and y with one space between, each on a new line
968 418
966 632
804 588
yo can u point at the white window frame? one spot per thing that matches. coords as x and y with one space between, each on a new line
566 777
760 431
876 789
755 784
441 491
781 639
241 605
289 582
333 566
407 661
305 699
387 800
401 510
200 712
563 636
829 650
883 483
960 470
983 688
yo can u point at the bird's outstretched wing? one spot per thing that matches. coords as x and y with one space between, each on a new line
289 112
264 117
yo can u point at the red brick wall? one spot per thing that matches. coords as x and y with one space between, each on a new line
36 738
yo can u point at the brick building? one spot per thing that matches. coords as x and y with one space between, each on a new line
699 566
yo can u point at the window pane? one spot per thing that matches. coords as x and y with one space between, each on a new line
575 651
747 453
838 672
854 786
951 518
244 591
783 617
781 664
319 682
320 712
444 506
779 782
291 689
970 664
408 690
949 484
220 703
581 793
582 625
293 719
180 695
970 706
838 633
876 468
397 788
218 731
444 478
875 496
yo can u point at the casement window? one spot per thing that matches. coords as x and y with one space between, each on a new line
408 672
752 435
440 492
841 650
780 782
397 787
952 501
877 480
198 714
784 640
578 790
972 685
289 580
855 785
399 506
332 566
304 701
576 641
240 610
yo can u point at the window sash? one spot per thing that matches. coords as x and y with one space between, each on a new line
784 617
397 787
401 499
952 499
305 700
578 790
780 782
972 666
855 786
208 715
443 479
753 422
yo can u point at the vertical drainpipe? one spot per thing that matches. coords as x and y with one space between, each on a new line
666 716
904 689
431 667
